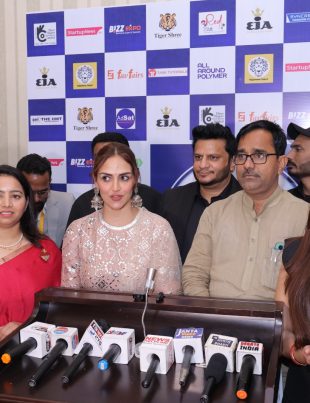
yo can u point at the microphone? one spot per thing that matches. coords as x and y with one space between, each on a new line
74 366
19 350
150 371
188 350
63 342
118 345
150 282
214 374
248 362
162 348
225 345
34 341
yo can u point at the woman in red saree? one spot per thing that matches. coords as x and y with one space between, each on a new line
29 261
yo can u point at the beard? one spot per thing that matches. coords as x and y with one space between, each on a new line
38 207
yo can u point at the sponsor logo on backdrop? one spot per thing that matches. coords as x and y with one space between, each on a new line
258 69
125 118
81 162
45 34
297 17
297 67
167 23
254 116
45 81
258 24
206 72
56 162
211 114
86 31
84 76
298 115
85 115
125 29
166 120
167 72
212 23
123 74
46 120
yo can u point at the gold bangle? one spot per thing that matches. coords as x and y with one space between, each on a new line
293 358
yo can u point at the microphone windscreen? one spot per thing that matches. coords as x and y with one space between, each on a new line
216 367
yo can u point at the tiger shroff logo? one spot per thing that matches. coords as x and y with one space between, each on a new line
167 21
85 115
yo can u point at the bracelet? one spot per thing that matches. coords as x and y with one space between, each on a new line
293 358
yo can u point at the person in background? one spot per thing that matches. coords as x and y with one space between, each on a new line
213 146
294 290
299 160
29 261
52 208
90 201
112 248
237 249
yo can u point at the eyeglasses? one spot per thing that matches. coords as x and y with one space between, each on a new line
256 158
41 193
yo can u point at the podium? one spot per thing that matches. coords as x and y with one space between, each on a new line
243 319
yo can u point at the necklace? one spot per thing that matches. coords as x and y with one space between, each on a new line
13 244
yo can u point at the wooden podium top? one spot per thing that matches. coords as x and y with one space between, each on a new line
243 319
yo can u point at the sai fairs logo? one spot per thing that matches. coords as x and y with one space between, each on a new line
45 34
254 116
125 118
211 114
212 23
119 74
258 69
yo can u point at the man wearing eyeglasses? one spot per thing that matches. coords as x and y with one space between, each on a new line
237 249
52 207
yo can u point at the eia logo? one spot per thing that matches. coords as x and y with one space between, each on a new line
44 81
166 121
258 24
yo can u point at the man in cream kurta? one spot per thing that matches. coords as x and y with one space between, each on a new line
237 249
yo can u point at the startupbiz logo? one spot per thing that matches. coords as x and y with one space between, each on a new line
125 29
258 69
297 67
258 24
56 162
254 116
45 81
81 162
212 23
166 120
46 120
121 74
292 18
167 72
206 72
211 114
45 34
126 118
87 31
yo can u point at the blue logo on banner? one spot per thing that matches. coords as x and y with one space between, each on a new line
125 119
45 34
47 120
297 17
126 115
125 28
79 162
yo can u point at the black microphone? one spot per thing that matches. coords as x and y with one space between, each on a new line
214 373
19 350
186 364
48 361
150 371
112 353
245 376
74 366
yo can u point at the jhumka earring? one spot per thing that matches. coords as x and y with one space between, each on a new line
136 200
96 202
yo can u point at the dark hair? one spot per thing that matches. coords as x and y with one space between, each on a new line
116 149
27 221
214 131
278 135
297 287
34 164
109 137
